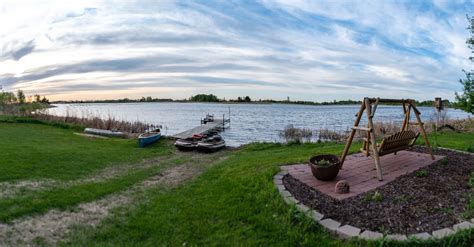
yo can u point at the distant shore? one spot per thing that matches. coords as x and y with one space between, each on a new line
422 103
210 98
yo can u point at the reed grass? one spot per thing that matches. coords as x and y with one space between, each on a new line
296 135
388 128
109 123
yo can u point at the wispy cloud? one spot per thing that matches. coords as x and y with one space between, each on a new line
309 50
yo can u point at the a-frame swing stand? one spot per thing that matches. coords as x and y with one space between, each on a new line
401 140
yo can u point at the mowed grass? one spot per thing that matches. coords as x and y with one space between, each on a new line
451 139
235 203
231 203
36 151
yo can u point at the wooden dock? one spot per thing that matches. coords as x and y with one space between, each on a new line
216 125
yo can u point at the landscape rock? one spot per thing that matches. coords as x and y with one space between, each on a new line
342 187
348 231
442 233
330 224
291 200
422 236
370 235
463 225
302 208
315 215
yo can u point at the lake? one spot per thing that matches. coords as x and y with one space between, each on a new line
249 122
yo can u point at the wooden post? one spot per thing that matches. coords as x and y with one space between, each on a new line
422 129
408 117
367 145
375 107
372 140
406 120
351 136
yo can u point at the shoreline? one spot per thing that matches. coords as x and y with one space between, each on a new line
229 103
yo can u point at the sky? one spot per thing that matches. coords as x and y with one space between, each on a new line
305 50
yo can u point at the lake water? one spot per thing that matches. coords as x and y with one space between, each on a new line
249 122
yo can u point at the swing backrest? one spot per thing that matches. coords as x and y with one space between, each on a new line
397 142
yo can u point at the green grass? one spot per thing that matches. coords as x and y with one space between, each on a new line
36 151
450 139
66 197
231 203
234 202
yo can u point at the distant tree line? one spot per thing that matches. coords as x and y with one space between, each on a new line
124 100
19 103
242 99
204 98
20 98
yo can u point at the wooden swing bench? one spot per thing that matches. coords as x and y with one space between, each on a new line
401 140
393 143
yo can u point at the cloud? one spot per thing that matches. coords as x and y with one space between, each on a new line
19 51
303 49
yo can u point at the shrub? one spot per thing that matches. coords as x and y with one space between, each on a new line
377 196
421 173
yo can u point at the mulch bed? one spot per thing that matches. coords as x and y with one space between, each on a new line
409 204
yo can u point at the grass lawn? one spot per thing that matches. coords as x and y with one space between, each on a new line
36 151
231 203
450 139
44 154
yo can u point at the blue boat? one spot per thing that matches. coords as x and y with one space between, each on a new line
149 137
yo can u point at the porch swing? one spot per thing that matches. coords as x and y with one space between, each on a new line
398 141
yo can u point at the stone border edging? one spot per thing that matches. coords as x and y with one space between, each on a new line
454 150
348 231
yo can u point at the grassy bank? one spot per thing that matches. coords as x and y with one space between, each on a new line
36 151
232 202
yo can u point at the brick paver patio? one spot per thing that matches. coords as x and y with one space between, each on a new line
359 172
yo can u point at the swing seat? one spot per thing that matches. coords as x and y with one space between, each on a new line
397 142
391 144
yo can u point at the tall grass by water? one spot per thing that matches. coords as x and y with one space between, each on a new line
292 134
109 123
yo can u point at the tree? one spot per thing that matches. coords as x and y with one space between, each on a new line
21 97
37 98
247 99
465 101
204 98
7 98
45 100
